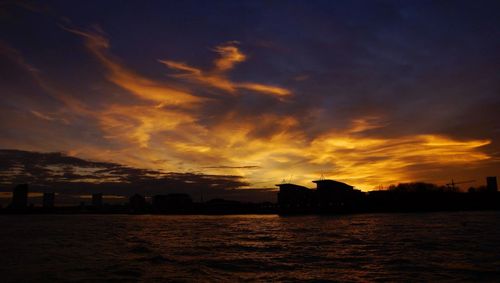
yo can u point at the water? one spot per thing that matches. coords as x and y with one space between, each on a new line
371 247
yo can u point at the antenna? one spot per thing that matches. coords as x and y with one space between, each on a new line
322 175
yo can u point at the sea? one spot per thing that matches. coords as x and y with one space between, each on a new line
409 247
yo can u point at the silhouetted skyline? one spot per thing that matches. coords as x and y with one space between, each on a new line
92 182
329 197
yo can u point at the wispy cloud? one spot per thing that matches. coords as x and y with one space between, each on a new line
138 85
233 167
229 56
169 125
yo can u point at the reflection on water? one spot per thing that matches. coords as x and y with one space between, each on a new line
383 247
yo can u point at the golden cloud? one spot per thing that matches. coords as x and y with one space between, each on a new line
136 84
230 55
275 145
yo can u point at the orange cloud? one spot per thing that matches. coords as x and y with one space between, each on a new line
230 55
380 161
136 84
275 145
137 125
267 89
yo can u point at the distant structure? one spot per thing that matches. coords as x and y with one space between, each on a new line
491 184
97 200
329 196
49 200
137 203
337 196
172 202
295 197
20 197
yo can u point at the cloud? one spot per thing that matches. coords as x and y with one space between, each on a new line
42 116
266 89
50 117
230 55
136 84
161 106
138 124
351 123
378 160
233 167
70 175
35 75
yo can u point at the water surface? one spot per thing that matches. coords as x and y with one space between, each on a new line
462 246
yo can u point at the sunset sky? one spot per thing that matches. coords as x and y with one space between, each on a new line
369 93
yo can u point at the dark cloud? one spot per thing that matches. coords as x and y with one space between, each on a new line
64 174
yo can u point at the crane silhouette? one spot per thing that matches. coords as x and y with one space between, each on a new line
453 183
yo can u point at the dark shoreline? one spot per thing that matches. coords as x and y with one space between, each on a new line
122 210
329 198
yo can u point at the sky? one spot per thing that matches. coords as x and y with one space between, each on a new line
370 93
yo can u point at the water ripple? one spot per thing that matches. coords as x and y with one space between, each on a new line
352 248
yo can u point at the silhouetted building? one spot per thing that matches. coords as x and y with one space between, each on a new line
337 196
97 200
172 202
295 198
332 185
137 202
491 184
49 200
20 197
329 197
